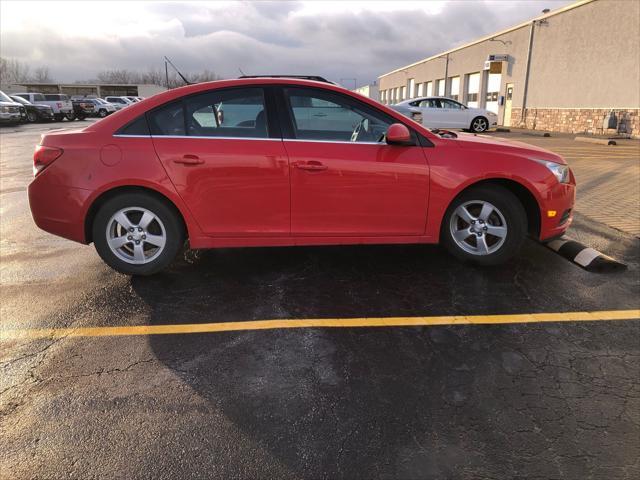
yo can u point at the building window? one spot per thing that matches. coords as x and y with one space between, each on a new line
440 84
402 93
473 89
429 89
454 90
420 91
411 87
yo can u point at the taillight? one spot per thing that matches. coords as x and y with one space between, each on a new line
44 156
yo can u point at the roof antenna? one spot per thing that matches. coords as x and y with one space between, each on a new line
178 71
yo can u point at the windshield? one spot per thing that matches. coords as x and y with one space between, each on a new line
20 100
5 98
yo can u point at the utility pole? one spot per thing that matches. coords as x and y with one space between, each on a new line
166 73
446 74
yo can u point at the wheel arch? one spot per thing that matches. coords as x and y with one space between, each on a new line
522 193
115 191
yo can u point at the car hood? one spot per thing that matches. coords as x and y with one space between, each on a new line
483 142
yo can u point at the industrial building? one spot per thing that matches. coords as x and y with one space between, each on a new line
575 69
87 90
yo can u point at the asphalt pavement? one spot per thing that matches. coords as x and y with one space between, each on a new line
543 400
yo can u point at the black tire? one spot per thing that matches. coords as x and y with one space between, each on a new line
102 113
58 117
70 116
479 125
173 226
32 117
512 212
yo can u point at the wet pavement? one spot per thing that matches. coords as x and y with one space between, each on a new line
538 400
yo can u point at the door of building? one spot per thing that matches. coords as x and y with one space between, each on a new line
508 99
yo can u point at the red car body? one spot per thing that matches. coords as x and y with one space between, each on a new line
277 191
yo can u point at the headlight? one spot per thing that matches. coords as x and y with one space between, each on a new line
561 172
4 109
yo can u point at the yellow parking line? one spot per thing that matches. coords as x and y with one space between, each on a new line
319 323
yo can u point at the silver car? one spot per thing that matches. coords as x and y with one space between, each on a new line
441 112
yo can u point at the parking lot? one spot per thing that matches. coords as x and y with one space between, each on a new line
471 391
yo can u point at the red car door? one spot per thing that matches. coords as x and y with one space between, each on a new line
344 179
227 161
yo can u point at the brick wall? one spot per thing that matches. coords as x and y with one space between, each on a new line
576 120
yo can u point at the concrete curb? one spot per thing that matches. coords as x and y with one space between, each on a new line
588 258
599 141
503 130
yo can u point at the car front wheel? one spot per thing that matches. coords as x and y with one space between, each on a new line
102 113
137 234
484 225
479 125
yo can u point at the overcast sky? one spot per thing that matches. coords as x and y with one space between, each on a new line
339 40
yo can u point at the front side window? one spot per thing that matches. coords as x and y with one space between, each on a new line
227 113
52 97
325 116
450 104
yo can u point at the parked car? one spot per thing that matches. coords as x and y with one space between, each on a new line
82 109
440 112
9 110
138 183
59 103
121 101
36 112
133 99
101 108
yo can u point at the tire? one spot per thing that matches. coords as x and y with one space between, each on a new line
102 113
58 117
70 116
32 117
494 229
126 258
479 125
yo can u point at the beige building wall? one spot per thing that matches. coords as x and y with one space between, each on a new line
585 62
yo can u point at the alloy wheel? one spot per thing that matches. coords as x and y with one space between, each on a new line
136 235
478 227
479 125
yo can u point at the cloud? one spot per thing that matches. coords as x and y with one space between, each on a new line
336 40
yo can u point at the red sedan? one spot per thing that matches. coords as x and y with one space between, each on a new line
285 161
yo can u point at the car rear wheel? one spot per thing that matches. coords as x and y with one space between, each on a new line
484 225
102 113
479 125
137 234
70 116
58 117
32 117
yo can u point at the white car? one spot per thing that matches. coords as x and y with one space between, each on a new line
59 103
102 108
441 112
121 101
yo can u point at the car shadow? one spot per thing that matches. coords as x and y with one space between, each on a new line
362 402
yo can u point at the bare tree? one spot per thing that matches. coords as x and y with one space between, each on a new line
41 75
13 71
118 76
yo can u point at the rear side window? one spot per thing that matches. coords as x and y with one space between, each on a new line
138 126
38 97
227 113
167 120
52 97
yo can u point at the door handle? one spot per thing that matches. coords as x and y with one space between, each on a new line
311 166
319 115
189 160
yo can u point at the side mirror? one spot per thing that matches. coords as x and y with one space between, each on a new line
398 134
